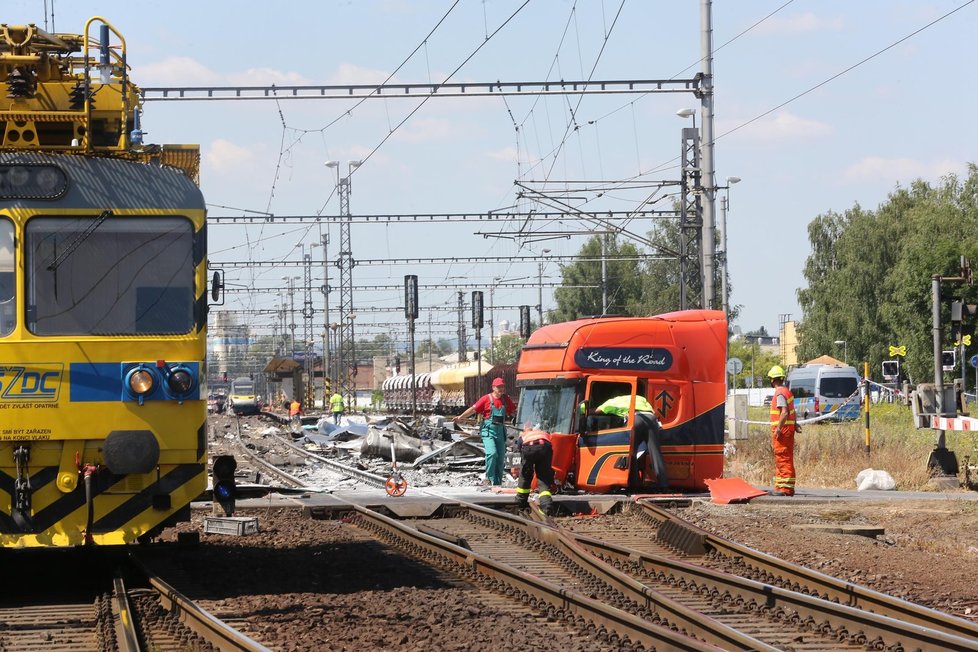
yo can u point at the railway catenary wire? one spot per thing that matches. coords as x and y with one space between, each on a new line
793 611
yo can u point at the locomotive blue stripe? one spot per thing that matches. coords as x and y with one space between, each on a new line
95 381
104 382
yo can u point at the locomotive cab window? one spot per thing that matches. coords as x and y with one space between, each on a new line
105 274
7 284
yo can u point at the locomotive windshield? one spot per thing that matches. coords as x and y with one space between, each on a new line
6 277
551 408
109 275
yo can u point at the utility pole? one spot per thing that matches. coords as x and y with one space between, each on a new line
307 314
347 350
327 359
291 280
708 179
604 274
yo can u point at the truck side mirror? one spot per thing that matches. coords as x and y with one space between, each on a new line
582 410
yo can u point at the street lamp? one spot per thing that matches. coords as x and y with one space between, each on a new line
687 113
845 350
724 205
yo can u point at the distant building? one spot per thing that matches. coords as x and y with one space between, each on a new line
789 344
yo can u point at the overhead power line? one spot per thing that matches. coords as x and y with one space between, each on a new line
232 264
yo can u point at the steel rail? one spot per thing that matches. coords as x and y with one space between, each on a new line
559 602
366 476
268 466
845 621
824 586
219 634
125 624
632 590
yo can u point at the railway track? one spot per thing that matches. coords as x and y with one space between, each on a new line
125 609
665 585
714 607
677 534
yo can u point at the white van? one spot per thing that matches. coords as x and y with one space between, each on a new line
822 389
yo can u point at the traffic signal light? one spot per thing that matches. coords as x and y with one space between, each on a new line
948 360
225 376
397 364
891 369
224 489
477 314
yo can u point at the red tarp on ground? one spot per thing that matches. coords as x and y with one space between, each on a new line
724 491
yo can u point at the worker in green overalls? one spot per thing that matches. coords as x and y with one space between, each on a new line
494 408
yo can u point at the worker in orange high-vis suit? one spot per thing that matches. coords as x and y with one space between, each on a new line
783 429
538 455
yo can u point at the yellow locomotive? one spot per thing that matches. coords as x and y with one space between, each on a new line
103 301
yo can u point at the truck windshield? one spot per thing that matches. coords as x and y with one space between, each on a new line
109 275
7 286
551 408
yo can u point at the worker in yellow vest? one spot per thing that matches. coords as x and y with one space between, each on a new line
336 407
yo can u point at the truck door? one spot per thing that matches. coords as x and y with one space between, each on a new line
605 445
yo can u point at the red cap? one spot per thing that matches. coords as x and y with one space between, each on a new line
499 382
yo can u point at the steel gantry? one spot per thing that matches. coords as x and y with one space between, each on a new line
690 224
418 91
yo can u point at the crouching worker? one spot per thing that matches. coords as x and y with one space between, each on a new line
538 455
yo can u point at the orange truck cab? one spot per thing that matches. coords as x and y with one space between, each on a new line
676 361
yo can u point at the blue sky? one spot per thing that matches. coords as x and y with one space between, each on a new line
904 114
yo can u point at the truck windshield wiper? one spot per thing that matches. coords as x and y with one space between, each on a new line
79 239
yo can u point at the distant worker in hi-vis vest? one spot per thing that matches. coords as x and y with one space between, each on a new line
783 429
493 408
336 407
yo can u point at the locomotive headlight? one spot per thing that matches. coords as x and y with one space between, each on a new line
180 381
141 382
18 176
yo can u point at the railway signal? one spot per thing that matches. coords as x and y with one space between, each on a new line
224 489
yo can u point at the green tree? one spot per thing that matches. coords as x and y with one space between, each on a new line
624 286
756 361
506 349
869 274
381 345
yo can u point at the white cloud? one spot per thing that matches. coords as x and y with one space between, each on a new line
781 126
806 22
508 154
177 71
266 77
185 71
225 158
903 170
348 73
